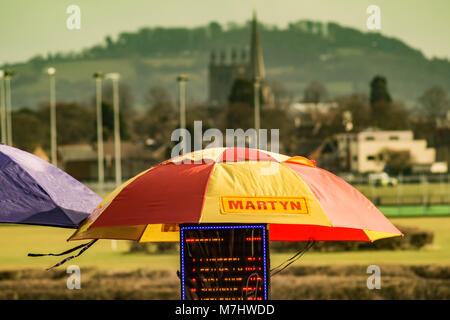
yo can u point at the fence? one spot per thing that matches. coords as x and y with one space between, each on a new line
416 195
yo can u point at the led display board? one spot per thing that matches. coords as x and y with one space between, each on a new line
224 262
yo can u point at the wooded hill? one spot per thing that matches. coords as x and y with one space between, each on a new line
343 59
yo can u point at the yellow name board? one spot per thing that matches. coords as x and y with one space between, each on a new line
241 204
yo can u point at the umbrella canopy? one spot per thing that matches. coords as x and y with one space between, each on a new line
32 191
298 200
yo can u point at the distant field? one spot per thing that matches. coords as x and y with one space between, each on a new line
406 200
17 241
297 282
108 274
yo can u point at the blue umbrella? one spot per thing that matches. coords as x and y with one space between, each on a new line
32 191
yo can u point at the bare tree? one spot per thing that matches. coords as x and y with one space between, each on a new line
396 161
315 92
434 102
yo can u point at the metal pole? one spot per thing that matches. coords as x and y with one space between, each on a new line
100 154
182 101
2 107
182 95
400 193
8 111
347 139
448 193
373 192
54 159
117 153
183 111
348 124
424 193
256 87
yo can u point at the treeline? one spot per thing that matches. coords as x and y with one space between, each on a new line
305 39
76 122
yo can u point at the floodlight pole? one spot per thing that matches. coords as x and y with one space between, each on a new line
256 89
348 124
2 107
53 146
98 76
182 79
8 76
117 152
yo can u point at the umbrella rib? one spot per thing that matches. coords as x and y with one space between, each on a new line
143 231
206 190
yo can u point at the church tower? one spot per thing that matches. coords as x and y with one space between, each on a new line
256 57
223 73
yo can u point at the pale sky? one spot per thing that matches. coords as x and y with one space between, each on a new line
30 27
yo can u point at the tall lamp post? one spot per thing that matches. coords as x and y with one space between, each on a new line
182 79
2 107
256 92
98 76
117 153
51 73
347 120
8 75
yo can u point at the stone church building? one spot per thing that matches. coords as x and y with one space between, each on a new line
223 73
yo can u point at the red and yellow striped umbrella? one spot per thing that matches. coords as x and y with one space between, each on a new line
298 200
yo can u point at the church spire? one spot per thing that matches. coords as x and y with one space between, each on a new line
256 57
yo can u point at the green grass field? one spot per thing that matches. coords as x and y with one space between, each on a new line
415 211
410 200
17 241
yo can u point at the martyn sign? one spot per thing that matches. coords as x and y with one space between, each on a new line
245 204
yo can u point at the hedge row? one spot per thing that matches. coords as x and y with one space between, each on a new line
296 282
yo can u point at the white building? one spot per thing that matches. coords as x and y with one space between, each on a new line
363 152
309 114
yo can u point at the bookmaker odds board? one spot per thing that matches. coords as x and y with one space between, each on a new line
224 262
